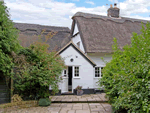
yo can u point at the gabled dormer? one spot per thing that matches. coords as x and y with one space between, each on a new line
75 36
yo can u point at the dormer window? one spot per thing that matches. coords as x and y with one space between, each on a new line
78 44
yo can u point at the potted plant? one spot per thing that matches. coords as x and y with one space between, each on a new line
79 90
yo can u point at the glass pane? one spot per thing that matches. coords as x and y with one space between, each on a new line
64 71
95 75
96 68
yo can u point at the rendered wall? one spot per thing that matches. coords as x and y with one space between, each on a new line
96 57
77 39
85 68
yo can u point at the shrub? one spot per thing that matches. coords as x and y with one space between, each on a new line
44 102
127 76
36 70
8 41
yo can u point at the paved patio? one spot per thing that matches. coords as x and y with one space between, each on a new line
93 103
66 108
92 98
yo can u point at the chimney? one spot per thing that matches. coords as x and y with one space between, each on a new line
113 11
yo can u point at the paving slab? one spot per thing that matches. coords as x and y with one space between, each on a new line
82 111
66 108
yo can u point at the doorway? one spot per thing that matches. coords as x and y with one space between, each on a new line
70 78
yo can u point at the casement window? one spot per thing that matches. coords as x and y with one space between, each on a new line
78 44
76 71
65 73
98 71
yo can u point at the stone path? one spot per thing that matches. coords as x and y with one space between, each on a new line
66 108
92 98
93 103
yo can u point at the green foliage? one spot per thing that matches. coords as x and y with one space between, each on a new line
127 76
44 102
36 70
8 40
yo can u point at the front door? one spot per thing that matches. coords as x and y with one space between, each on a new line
67 80
64 87
70 78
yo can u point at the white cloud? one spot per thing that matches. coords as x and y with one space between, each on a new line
90 2
51 12
134 7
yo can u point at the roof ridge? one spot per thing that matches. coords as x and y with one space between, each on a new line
119 20
41 25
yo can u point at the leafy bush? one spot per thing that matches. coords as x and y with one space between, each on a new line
44 102
8 41
36 70
127 76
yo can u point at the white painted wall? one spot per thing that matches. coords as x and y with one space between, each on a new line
96 57
87 72
75 29
77 39
85 68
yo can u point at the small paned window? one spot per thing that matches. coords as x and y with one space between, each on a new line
98 71
65 73
76 71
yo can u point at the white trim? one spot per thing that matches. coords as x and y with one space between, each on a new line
77 77
78 72
65 77
100 72
97 77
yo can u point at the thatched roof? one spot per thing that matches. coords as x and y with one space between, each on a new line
97 32
29 34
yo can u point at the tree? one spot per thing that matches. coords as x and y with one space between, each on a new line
36 70
127 76
8 41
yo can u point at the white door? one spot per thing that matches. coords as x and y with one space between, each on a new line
64 87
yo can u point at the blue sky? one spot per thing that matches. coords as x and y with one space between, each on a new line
59 12
89 3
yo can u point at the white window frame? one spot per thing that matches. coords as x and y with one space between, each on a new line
75 71
100 72
65 74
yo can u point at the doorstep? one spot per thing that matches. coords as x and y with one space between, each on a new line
87 98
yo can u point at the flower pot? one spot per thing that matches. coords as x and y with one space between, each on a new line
79 92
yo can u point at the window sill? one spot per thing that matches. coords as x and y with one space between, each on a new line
97 77
64 77
77 77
